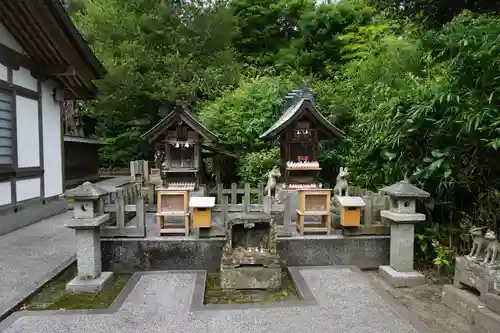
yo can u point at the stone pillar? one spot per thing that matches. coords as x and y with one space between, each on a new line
88 252
402 240
87 220
402 216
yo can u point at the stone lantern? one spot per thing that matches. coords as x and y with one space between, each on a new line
403 217
88 216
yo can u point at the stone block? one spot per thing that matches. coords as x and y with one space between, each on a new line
401 279
492 302
477 276
78 285
293 203
402 218
486 321
367 230
131 255
247 277
463 302
402 239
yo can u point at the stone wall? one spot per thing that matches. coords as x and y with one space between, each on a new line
129 255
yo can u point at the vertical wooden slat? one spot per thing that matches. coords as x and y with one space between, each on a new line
224 209
140 212
145 170
267 201
287 212
120 209
368 214
234 194
220 193
260 195
132 169
246 198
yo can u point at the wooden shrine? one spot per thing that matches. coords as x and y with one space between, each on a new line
180 142
300 128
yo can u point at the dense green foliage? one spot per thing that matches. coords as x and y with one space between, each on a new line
414 87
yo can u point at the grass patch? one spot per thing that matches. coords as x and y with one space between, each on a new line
53 295
215 295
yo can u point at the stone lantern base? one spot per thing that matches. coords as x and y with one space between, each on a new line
401 279
78 285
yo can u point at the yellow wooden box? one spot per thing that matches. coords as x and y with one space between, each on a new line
315 200
202 211
350 211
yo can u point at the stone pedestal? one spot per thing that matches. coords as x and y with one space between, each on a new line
88 255
293 202
402 216
400 273
477 276
88 216
482 312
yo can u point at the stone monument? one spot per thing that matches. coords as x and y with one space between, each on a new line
403 216
88 216
478 271
249 258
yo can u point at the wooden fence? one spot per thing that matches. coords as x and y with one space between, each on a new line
247 199
127 211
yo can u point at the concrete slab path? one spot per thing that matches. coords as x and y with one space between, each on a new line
32 255
342 299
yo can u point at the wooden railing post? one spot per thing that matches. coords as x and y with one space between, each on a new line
260 193
234 194
224 205
368 214
287 213
140 212
246 198
220 193
267 202
120 208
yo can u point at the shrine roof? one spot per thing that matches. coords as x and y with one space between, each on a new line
180 112
303 102
86 191
217 149
404 189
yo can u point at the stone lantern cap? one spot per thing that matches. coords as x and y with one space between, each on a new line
404 189
86 191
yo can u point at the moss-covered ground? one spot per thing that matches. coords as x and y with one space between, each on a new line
53 295
215 295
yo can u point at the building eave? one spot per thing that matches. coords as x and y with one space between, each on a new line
54 48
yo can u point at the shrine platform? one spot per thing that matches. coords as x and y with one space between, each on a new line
334 299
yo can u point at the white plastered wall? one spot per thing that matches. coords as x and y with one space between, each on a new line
5 193
27 189
51 118
28 146
3 72
23 78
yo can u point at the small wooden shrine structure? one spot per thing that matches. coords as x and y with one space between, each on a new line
300 128
180 142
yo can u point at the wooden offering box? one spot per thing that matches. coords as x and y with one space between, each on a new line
172 203
202 211
350 211
314 202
